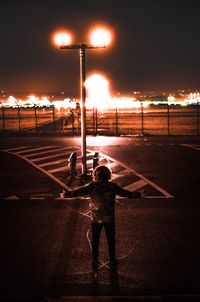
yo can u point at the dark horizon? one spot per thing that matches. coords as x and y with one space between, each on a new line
156 45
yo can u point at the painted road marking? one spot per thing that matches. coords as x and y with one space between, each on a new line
196 147
136 185
45 152
51 156
121 170
63 185
55 162
65 168
19 148
115 176
34 149
11 197
58 161
165 193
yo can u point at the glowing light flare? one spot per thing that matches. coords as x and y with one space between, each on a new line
97 97
64 104
171 99
97 91
62 39
100 37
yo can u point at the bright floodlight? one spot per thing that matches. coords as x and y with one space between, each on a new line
97 91
62 39
100 37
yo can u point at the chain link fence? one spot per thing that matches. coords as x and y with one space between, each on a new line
152 120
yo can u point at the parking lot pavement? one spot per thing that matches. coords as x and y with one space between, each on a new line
53 161
45 241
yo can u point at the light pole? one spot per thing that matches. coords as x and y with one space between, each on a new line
100 38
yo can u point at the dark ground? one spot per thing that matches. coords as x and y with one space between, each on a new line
45 243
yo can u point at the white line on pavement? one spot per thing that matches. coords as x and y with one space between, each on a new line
50 156
44 171
136 185
118 175
55 162
34 149
66 167
11 197
19 148
45 152
191 146
165 193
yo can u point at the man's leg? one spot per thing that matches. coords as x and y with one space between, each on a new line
96 231
110 234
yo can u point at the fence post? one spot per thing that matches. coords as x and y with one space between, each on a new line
35 115
142 117
93 121
19 121
96 121
53 117
168 118
3 117
197 118
72 119
116 129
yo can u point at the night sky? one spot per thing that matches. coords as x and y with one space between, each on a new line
156 45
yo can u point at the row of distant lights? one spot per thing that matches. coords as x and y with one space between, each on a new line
120 102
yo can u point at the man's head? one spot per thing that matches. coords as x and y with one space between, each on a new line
101 174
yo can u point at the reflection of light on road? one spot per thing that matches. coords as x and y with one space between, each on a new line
102 140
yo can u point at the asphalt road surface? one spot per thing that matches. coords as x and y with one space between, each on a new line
45 241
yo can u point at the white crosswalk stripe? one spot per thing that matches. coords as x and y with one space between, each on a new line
46 152
196 147
54 162
34 149
18 148
51 156
136 185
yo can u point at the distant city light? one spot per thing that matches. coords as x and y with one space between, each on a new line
171 99
99 96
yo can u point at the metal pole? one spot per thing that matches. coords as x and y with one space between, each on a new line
93 121
35 111
83 109
72 120
168 119
142 117
19 121
54 120
116 122
3 117
198 118
96 121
